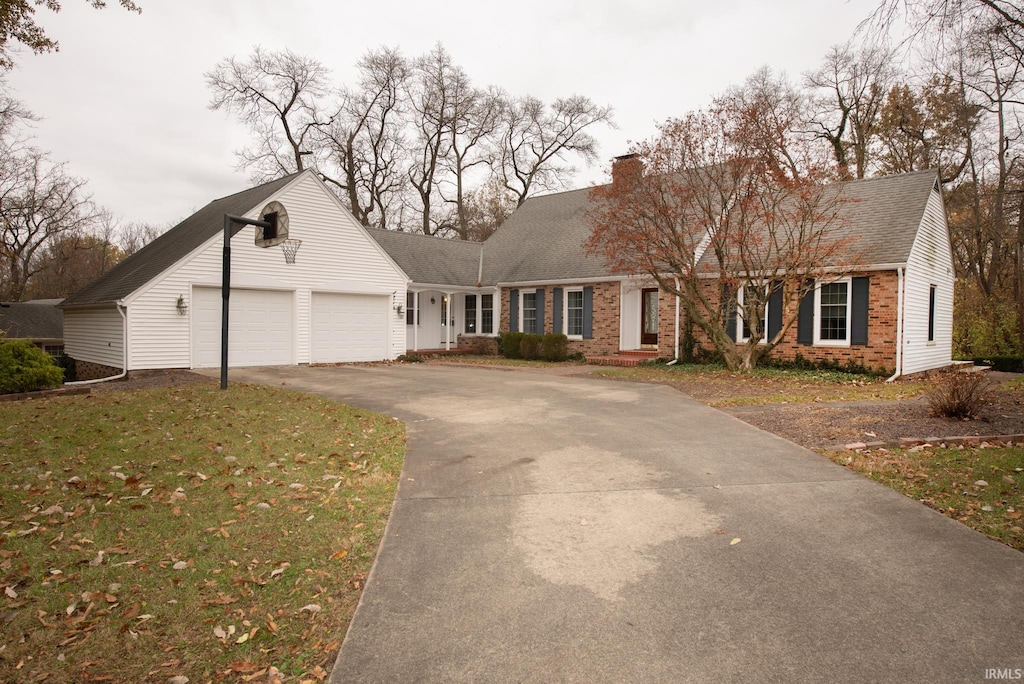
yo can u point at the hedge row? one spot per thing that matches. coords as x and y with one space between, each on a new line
550 347
25 367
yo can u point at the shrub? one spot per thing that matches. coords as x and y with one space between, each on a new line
509 345
577 356
26 368
410 358
959 395
530 347
1007 364
555 347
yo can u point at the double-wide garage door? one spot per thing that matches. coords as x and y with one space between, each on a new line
343 327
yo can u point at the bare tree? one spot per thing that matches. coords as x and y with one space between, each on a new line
39 202
71 260
279 96
534 141
132 237
364 144
851 88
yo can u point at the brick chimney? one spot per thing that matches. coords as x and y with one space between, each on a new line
627 170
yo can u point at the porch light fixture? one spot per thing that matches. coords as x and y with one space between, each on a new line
399 310
181 306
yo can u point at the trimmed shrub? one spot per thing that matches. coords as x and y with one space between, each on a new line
555 347
410 358
959 395
25 367
530 346
1007 364
509 345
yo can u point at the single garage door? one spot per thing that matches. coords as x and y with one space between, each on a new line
260 327
349 327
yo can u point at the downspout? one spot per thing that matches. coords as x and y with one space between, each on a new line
124 346
675 349
480 270
899 325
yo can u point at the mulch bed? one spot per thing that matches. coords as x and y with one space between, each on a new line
152 378
831 426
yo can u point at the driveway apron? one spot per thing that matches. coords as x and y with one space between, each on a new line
574 529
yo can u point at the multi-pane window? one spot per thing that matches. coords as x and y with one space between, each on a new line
487 314
574 312
530 312
471 314
410 306
834 300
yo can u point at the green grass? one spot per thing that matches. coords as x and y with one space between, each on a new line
719 386
945 479
186 531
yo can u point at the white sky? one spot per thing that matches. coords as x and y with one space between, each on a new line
125 101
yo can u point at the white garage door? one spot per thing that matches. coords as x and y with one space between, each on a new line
260 331
349 327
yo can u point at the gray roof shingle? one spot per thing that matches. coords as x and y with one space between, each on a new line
431 260
39 319
167 249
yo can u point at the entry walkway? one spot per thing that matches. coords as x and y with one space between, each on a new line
572 529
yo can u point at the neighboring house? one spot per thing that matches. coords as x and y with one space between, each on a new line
39 321
161 307
358 294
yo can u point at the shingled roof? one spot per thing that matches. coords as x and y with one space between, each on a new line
169 248
877 218
431 260
39 319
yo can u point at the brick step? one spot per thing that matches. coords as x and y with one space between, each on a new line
642 353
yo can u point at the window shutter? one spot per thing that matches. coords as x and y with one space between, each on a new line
775 312
556 310
859 311
540 311
588 313
805 320
729 311
513 311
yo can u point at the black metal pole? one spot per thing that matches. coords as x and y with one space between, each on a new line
225 289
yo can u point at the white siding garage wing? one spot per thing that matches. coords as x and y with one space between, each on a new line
349 327
261 329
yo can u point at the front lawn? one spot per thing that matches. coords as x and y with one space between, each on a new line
982 487
186 532
718 386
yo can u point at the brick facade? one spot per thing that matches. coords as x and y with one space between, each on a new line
606 316
86 370
878 353
477 344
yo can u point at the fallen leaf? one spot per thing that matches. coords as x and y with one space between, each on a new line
179 679
10 592
219 632
312 608
735 541
338 555
180 565
243 638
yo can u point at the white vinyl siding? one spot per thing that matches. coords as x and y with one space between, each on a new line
95 335
930 264
336 255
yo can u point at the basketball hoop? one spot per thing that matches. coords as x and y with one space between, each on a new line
290 247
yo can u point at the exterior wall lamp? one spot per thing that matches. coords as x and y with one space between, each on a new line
181 306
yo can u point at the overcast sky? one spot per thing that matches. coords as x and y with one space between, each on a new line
124 102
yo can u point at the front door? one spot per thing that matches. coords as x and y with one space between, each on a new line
649 316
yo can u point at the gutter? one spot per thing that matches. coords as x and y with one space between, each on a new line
121 308
899 325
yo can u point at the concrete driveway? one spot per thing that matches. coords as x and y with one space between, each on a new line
572 529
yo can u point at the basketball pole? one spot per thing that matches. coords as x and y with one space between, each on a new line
225 287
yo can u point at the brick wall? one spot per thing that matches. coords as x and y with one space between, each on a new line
477 344
606 316
879 352
86 370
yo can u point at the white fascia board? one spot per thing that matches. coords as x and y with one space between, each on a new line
829 269
426 287
564 281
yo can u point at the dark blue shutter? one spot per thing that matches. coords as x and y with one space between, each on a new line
775 312
556 310
805 320
540 311
588 313
513 311
859 311
729 311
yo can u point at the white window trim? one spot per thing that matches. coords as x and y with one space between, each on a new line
476 315
522 309
818 342
740 339
565 311
495 313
